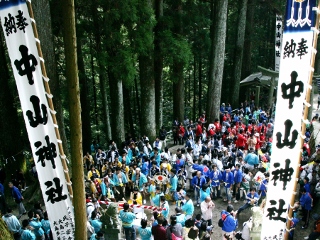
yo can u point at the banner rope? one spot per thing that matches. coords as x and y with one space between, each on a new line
49 98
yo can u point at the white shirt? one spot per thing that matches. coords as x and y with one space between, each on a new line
206 210
218 163
90 209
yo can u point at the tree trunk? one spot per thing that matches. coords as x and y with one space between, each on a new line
246 63
147 124
217 59
158 63
128 117
85 100
102 72
43 19
177 68
137 101
70 44
200 87
105 103
117 113
194 88
238 53
94 87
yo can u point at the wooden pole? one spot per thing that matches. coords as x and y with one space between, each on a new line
305 117
50 102
70 49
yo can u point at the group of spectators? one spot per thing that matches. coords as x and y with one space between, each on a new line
227 160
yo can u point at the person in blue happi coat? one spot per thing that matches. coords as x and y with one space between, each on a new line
230 223
205 171
95 223
197 182
120 180
156 155
216 177
237 176
205 191
228 180
165 207
145 167
156 198
306 203
139 179
252 200
173 183
144 231
188 207
127 219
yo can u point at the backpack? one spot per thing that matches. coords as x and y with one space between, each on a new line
193 233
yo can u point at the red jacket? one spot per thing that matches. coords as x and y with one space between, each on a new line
198 130
241 140
181 131
218 126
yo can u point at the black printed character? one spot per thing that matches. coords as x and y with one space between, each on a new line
48 152
275 213
283 175
40 114
23 65
55 194
293 93
10 24
289 49
21 21
291 144
302 48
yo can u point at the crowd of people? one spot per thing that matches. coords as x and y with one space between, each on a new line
227 160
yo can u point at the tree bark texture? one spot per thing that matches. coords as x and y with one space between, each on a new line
70 44
117 112
238 54
84 99
217 59
177 68
102 71
147 124
42 16
246 63
200 87
158 63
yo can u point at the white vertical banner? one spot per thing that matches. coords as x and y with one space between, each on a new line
25 61
278 41
295 67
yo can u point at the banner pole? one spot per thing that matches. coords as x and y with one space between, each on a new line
305 117
50 102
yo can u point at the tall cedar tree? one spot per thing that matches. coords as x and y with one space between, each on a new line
217 53
178 66
97 22
148 123
238 55
158 62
